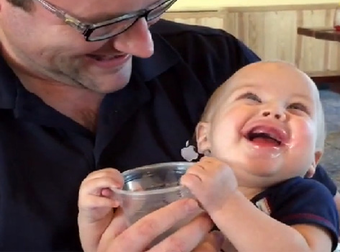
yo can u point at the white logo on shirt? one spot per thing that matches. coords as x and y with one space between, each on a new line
263 205
189 152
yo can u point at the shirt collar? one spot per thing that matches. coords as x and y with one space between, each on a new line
163 58
8 84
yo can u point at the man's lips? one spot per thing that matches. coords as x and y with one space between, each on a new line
108 61
105 57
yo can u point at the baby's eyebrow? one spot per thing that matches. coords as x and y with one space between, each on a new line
302 96
239 89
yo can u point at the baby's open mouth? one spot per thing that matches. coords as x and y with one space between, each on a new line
266 135
262 136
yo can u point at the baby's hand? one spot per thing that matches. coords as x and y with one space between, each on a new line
211 182
96 198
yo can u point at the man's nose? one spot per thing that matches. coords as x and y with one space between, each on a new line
137 40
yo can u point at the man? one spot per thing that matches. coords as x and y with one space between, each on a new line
77 96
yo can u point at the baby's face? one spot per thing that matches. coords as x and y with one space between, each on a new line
266 126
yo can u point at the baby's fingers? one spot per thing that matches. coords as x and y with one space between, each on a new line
91 202
106 173
98 192
95 186
191 181
194 177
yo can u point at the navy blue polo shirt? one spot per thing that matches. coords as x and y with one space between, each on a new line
44 155
301 201
322 176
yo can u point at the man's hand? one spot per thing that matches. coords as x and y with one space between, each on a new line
139 236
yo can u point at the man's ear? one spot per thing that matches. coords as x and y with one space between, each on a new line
311 170
202 131
2 3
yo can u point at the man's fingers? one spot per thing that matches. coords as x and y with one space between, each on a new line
212 243
116 227
154 224
197 230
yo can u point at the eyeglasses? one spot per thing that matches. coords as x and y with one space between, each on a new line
110 28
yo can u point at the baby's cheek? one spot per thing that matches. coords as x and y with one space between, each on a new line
304 135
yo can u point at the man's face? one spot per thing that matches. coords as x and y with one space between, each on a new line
41 45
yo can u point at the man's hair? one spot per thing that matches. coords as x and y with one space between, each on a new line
24 4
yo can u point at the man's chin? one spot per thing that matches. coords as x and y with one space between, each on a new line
108 82
108 85
105 88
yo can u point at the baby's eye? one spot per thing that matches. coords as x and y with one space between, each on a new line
298 106
250 96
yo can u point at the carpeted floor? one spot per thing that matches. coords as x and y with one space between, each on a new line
331 158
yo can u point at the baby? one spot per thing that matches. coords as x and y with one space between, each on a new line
261 132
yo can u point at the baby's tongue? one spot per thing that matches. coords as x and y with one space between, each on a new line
263 140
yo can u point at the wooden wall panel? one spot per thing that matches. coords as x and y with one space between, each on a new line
212 18
271 32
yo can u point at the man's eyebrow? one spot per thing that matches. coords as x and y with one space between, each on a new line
101 17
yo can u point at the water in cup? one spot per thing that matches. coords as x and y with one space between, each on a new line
152 187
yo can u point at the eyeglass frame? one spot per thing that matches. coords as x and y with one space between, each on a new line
86 29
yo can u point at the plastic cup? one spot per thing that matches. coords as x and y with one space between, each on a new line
152 187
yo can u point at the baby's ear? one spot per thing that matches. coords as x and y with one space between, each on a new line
317 157
311 170
202 139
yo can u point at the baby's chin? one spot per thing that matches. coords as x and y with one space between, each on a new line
259 180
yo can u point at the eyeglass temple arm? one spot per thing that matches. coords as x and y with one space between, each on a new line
61 14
